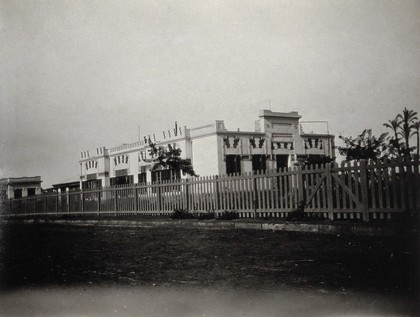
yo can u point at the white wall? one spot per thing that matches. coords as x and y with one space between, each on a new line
205 155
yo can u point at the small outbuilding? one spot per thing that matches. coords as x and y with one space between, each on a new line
67 187
18 187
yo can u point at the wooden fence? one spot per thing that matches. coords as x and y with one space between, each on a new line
358 190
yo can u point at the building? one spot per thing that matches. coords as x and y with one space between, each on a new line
18 187
66 187
277 142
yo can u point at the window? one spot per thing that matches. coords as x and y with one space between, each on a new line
18 193
31 191
258 163
122 172
92 184
90 177
282 161
143 174
165 175
122 180
142 178
233 164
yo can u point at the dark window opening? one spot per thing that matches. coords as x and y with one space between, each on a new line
259 163
92 184
31 191
282 161
143 174
122 180
18 193
165 175
233 164
143 181
301 158
123 172
142 178
90 177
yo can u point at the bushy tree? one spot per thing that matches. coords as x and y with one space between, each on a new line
367 146
170 158
313 160
364 147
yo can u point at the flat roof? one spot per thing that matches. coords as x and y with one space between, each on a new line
269 113
20 180
67 184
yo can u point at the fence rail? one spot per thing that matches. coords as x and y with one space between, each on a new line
359 190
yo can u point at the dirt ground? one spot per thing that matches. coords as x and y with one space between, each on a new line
296 270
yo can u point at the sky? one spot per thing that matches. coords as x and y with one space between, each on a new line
78 74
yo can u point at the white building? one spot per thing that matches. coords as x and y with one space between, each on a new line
277 142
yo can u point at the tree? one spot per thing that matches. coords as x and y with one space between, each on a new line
417 128
364 147
313 160
367 146
394 125
170 158
407 118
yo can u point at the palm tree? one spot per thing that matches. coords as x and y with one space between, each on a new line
394 125
408 117
416 126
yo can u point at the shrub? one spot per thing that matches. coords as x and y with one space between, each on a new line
228 215
182 214
206 215
315 216
297 214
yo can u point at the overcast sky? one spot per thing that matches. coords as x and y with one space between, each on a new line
76 75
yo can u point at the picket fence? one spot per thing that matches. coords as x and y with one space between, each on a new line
359 190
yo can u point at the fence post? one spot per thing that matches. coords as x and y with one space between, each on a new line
364 190
301 192
330 191
136 196
44 203
56 203
99 202
159 197
187 196
115 199
68 200
82 199
217 194
255 194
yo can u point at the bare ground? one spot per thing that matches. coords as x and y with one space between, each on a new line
38 258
